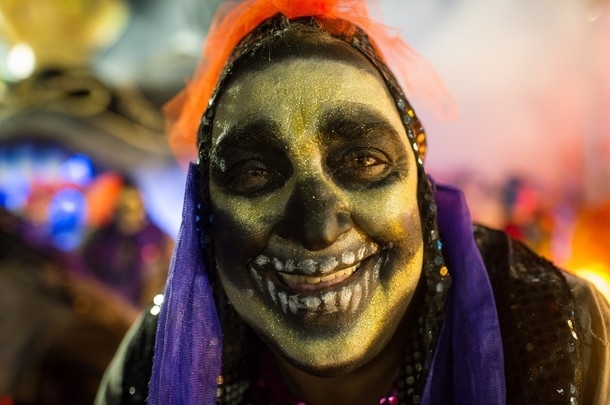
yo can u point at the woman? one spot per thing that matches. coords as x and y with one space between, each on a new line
318 264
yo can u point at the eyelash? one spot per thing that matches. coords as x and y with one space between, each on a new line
252 177
360 167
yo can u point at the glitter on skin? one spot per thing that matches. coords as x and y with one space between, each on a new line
386 215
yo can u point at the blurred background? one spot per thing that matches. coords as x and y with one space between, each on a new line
91 197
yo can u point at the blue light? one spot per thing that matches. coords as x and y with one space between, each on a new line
77 169
67 213
15 190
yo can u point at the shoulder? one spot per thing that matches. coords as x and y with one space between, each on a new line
593 313
126 378
552 324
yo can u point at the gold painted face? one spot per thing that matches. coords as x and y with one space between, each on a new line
317 231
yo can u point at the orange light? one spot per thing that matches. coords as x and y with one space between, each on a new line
599 275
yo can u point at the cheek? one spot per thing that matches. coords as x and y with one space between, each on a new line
241 227
389 215
232 233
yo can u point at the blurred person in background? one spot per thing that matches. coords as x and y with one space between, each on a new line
58 330
130 254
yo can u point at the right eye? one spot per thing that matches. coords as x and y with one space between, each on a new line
251 177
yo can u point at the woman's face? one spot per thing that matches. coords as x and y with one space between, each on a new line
317 231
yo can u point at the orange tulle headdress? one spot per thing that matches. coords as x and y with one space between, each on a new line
234 20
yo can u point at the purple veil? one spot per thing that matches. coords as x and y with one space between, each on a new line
468 364
188 347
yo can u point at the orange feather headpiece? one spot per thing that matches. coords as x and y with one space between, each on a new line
235 20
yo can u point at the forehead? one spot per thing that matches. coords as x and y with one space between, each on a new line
296 92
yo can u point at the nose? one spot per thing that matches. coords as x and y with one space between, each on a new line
314 216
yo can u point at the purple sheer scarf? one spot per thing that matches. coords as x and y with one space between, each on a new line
188 346
468 365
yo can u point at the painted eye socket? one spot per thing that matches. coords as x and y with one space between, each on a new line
361 166
251 177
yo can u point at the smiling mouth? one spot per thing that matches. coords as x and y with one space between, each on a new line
326 290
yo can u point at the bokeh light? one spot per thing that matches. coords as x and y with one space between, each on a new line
21 61
67 213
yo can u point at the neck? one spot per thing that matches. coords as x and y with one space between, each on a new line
365 385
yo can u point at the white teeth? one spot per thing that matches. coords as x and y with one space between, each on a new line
295 280
361 253
344 296
348 258
290 266
271 289
308 266
279 266
257 277
293 303
283 300
330 301
328 265
377 267
356 296
311 303
318 299
261 260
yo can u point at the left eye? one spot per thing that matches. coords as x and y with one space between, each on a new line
361 166
251 177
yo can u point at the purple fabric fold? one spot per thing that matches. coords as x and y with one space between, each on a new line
468 365
188 347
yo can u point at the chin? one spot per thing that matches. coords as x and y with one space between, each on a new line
325 365
336 338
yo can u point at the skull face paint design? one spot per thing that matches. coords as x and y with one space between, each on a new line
316 225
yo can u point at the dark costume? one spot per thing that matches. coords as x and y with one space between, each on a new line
493 322
126 262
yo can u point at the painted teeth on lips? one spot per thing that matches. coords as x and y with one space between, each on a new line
315 267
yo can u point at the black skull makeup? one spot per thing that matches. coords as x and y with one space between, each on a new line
313 187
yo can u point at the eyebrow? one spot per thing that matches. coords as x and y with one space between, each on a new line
348 123
251 135
336 124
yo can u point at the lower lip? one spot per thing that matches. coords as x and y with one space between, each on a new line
348 295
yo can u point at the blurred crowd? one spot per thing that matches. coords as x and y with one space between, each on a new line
80 255
561 225
64 307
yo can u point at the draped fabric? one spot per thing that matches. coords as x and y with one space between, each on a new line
188 348
468 365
